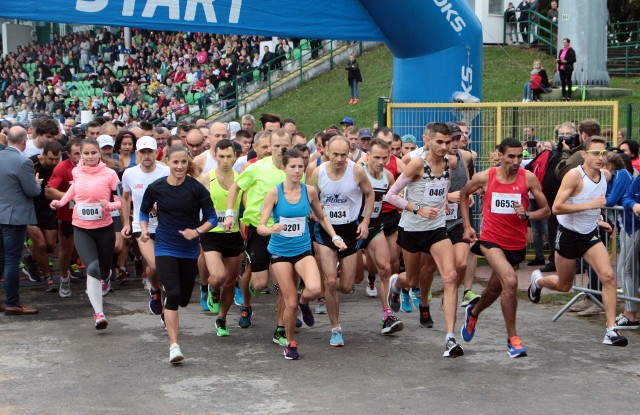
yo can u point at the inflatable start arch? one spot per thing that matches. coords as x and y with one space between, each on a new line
436 44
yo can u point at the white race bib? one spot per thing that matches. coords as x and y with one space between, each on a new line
338 215
89 211
220 214
504 203
292 226
377 208
435 192
452 213
153 219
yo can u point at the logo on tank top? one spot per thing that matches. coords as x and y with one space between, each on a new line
335 198
516 188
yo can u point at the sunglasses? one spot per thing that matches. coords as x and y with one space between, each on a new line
597 152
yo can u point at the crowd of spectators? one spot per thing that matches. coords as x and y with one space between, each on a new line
150 81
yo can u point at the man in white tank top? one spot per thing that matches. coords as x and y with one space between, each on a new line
207 160
578 203
341 183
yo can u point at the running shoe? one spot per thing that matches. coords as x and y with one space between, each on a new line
280 336
614 338
415 297
146 285
622 323
391 325
336 338
50 284
291 351
106 287
534 290
64 289
155 302
254 293
393 296
307 315
237 298
469 297
245 317
221 327
468 330
101 321
76 273
425 317
452 349
405 301
321 308
515 347
204 300
122 276
30 268
371 289
213 301
175 354
298 322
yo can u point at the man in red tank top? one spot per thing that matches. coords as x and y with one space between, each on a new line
503 235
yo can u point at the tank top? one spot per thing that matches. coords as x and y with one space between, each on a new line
219 199
430 191
341 199
586 221
458 181
294 238
211 163
500 224
392 166
380 188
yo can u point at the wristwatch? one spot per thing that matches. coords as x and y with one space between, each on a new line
526 216
416 208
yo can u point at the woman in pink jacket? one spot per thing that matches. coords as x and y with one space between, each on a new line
89 195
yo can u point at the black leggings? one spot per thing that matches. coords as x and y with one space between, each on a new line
565 81
177 276
95 248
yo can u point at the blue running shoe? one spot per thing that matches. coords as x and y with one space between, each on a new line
245 317
237 298
336 338
155 302
204 297
515 347
469 329
405 301
415 297
307 315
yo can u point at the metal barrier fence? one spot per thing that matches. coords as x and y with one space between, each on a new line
586 282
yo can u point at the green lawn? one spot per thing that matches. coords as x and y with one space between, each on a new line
323 101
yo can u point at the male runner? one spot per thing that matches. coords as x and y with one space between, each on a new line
503 238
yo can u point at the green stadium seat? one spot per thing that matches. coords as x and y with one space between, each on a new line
134 110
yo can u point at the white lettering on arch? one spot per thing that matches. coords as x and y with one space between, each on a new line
91 6
173 5
207 6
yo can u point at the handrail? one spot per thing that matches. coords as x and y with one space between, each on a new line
237 98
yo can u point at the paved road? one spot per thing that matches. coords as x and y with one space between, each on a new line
56 363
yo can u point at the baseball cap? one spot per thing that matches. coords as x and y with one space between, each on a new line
78 132
146 142
364 133
347 120
105 140
234 127
455 130
408 138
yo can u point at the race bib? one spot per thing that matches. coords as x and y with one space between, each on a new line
435 192
338 215
504 203
90 211
153 219
220 214
452 213
377 208
115 213
292 226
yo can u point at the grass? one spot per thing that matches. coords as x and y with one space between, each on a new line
322 102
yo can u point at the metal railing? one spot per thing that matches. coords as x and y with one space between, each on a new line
543 31
268 76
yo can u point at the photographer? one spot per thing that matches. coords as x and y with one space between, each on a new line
571 149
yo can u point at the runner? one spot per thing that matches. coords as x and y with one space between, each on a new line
503 236
93 185
341 185
222 251
578 203
290 243
423 227
179 199
60 181
134 183
43 235
355 154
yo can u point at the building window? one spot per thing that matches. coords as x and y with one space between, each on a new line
495 7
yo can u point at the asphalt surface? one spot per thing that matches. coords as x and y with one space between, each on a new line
57 363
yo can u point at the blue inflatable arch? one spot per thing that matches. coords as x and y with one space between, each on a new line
436 44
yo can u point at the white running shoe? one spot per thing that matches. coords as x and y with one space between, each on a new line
371 289
146 284
106 287
175 354
64 289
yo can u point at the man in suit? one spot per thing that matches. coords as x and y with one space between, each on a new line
16 212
